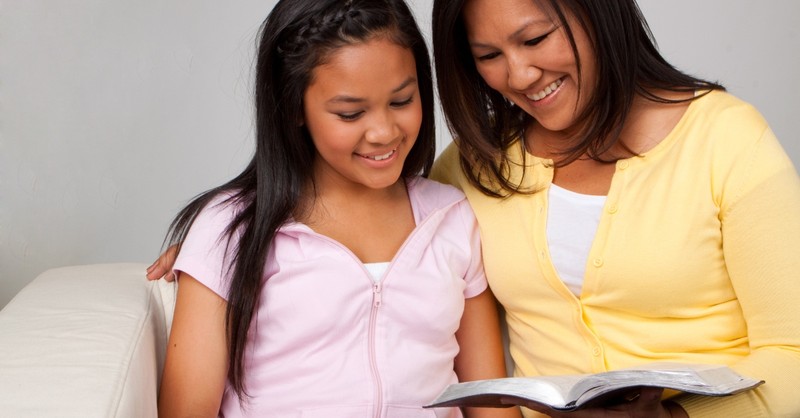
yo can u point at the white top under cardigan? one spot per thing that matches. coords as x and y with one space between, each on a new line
572 221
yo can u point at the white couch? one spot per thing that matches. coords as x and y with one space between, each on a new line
85 341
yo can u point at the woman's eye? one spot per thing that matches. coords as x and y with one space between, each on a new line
349 116
403 103
537 40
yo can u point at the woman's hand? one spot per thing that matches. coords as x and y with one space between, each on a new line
647 404
162 268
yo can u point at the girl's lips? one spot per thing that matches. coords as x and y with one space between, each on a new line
379 157
545 91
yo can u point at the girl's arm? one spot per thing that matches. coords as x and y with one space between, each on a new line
481 350
196 366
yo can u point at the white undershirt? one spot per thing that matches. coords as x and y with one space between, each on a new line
376 269
572 220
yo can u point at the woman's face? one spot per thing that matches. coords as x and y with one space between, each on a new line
363 111
524 55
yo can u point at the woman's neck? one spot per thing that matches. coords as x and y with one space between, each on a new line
646 125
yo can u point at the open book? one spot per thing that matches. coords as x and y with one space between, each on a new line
571 392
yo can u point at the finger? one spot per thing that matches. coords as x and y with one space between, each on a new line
647 404
154 273
649 395
161 268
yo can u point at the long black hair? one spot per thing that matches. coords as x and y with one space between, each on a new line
296 37
485 124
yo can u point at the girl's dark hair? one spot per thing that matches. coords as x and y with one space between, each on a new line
296 37
485 124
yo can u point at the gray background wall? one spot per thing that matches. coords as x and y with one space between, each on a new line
114 114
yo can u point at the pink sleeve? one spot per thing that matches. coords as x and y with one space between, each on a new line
475 276
205 253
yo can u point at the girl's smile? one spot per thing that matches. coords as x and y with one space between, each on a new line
363 113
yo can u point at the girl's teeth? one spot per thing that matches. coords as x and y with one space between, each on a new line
545 92
382 157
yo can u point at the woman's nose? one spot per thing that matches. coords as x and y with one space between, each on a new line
522 74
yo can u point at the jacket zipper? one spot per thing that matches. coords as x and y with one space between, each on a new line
377 299
373 361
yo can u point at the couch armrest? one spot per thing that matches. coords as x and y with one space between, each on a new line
85 341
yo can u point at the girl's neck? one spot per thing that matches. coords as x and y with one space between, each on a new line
372 223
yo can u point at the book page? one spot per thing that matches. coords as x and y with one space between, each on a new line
710 380
548 390
570 392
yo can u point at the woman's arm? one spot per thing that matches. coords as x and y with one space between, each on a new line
162 267
481 350
761 238
196 366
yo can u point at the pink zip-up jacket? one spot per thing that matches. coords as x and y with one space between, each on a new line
330 341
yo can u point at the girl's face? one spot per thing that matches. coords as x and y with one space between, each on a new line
363 111
524 55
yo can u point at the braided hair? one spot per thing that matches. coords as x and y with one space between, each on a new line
296 37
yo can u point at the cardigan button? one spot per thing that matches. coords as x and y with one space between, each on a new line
613 208
597 262
596 351
622 164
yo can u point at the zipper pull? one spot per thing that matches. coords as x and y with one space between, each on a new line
376 295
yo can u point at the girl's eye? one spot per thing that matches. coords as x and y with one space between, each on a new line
349 116
403 103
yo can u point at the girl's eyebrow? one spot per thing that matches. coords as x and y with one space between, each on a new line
343 98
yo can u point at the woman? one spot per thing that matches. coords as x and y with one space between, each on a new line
629 213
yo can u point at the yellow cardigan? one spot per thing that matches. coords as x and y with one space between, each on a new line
696 259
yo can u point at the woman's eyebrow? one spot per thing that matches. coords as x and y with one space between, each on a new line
517 33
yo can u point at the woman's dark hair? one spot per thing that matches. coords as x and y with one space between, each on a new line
485 124
296 37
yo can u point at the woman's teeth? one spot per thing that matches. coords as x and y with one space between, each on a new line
545 92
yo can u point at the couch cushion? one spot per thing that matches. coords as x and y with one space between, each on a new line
85 341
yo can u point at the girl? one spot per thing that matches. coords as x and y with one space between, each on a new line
329 279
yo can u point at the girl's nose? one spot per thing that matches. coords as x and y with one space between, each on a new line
383 129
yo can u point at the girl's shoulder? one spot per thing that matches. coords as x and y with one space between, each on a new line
428 196
433 191
215 217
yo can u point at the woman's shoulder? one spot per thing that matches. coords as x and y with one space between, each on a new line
726 122
719 104
447 167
